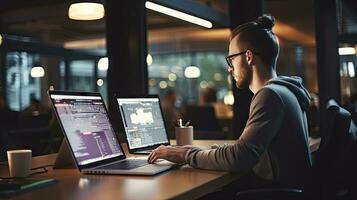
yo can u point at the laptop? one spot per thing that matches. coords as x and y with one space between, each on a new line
92 141
143 123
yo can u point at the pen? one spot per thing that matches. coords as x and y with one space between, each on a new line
179 122
188 123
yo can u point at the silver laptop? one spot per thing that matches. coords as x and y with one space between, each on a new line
91 138
143 123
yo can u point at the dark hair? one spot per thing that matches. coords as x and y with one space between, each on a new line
258 36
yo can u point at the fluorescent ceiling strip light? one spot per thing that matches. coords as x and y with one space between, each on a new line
346 51
178 14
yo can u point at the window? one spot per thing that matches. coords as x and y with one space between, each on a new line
20 85
347 26
186 58
167 71
82 75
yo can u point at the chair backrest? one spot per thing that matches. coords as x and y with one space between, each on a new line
336 159
203 118
28 121
35 139
204 121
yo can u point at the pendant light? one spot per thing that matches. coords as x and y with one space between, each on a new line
86 10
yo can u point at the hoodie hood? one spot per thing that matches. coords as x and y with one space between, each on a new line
294 84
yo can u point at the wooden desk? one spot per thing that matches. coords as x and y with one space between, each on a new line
181 183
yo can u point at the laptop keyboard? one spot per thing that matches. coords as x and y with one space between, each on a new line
126 164
144 151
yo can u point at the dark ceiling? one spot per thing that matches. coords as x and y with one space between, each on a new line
347 18
47 20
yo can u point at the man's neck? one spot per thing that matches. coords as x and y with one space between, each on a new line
260 78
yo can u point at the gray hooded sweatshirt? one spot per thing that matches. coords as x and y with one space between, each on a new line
274 143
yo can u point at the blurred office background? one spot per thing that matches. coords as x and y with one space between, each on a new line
41 48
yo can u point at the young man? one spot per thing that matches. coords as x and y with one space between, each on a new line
274 142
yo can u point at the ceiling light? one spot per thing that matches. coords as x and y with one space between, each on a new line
178 14
192 72
100 82
149 59
0 39
152 82
344 70
85 44
163 84
346 51
37 72
103 64
351 69
229 98
172 77
203 84
217 76
86 11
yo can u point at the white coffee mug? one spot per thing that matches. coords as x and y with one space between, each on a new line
184 135
19 163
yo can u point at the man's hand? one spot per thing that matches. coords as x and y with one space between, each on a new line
170 153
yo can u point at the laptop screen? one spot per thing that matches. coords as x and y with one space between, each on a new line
143 122
87 127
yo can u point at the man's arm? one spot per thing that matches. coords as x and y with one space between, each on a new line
266 116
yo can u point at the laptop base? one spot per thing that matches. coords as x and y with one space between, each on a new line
143 152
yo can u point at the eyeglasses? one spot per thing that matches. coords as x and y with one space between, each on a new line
230 58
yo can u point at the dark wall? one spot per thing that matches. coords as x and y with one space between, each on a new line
127 50
240 12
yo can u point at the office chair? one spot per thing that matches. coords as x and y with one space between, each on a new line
30 132
33 121
34 139
204 121
336 159
334 164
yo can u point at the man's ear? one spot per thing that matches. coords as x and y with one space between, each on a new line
249 56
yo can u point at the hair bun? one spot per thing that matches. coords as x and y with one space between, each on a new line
265 22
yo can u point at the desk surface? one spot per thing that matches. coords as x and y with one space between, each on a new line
181 183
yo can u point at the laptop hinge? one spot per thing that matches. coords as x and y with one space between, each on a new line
64 158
